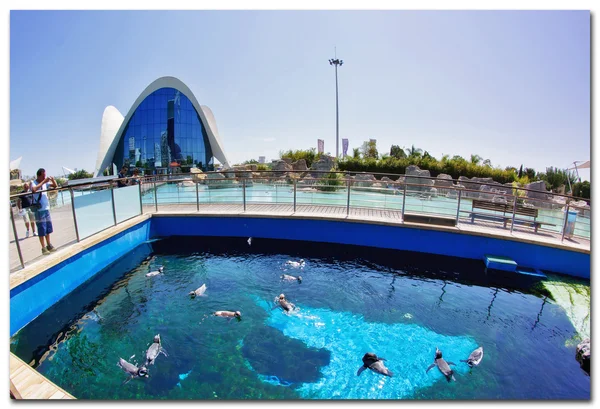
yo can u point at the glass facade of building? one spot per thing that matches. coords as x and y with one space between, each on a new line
165 128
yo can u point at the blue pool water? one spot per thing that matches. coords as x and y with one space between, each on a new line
352 300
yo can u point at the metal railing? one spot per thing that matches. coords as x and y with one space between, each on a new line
88 209
76 212
508 204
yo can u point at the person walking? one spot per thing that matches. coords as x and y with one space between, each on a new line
24 204
42 213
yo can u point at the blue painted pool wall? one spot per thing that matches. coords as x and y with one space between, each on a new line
33 297
399 238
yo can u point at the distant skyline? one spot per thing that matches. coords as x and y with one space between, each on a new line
510 86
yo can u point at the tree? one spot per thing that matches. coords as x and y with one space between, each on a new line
475 159
250 162
582 189
530 173
487 163
356 153
520 171
397 152
369 149
555 178
426 155
80 174
413 152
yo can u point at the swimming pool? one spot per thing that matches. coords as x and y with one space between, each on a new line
352 300
173 193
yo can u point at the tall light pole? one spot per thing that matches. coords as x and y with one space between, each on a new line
336 62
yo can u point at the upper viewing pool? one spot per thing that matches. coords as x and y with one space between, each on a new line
351 300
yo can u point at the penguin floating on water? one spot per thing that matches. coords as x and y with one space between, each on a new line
132 370
286 277
443 365
199 292
375 364
475 358
154 350
155 273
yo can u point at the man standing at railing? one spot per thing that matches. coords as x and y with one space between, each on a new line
42 208
121 181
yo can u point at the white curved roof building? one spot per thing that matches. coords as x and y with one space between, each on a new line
165 127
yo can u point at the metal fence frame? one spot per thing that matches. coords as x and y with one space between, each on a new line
279 177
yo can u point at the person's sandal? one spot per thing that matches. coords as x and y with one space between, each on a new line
45 251
51 248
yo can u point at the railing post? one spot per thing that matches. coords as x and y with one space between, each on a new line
404 200
74 215
244 192
294 195
565 223
348 201
197 198
141 206
458 207
512 223
12 219
62 197
155 197
112 197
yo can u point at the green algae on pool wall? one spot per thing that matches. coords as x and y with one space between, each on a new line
574 297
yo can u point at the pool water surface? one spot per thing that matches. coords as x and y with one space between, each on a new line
352 300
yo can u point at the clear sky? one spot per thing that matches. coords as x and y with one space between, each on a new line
511 86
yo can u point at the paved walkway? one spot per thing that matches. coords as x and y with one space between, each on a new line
64 229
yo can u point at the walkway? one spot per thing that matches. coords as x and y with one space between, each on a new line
64 230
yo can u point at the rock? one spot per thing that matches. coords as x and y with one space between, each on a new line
307 181
363 180
252 167
218 180
443 181
433 192
582 355
300 164
325 163
287 160
499 199
281 167
414 176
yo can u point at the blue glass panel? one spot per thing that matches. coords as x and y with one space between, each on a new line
156 114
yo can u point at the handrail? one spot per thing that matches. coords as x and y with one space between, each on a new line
393 181
189 176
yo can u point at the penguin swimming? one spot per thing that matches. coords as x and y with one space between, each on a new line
295 264
229 315
286 277
475 358
249 241
375 364
284 303
155 273
154 350
443 365
132 370
199 292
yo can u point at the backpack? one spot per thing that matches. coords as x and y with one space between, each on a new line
29 201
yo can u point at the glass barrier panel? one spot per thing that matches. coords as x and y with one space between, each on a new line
94 212
13 254
127 202
59 219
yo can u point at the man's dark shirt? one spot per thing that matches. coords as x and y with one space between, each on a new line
120 183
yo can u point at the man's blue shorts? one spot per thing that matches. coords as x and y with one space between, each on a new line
43 222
